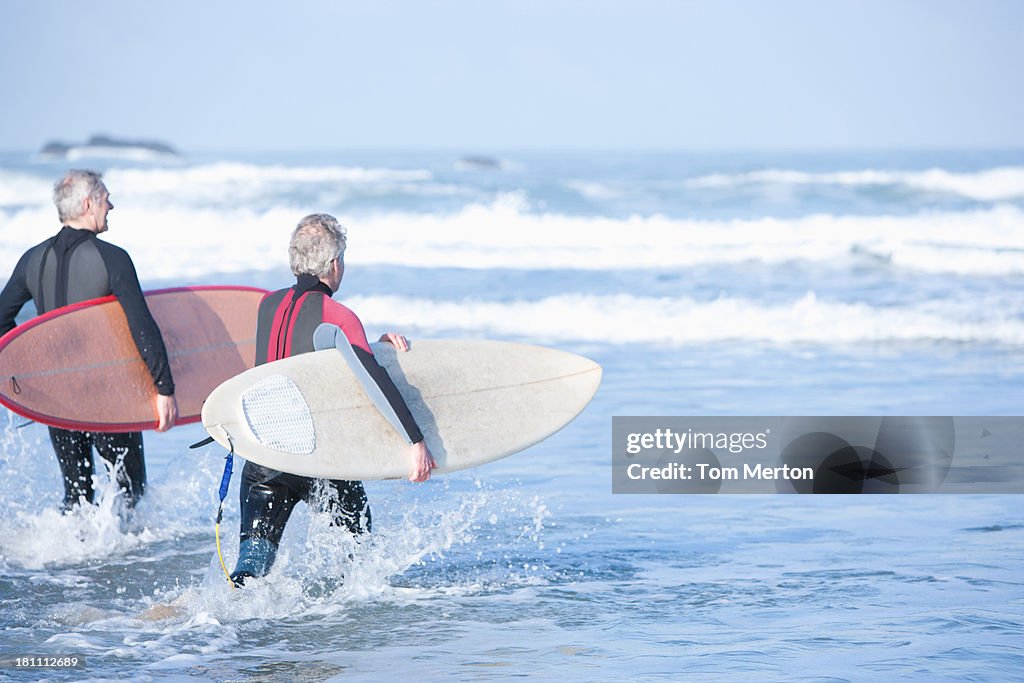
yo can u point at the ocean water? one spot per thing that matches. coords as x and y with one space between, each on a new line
888 283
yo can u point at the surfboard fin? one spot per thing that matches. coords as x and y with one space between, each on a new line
328 336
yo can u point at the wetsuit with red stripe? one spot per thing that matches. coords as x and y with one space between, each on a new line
287 319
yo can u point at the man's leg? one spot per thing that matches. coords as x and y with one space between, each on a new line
266 504
74 454
125 453
348 506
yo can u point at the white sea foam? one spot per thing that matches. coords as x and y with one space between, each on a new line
228 184
594 190
34 538
34 534
132 181
503 235
233 185
628 319
989 185
187 244
20 189
174 240
321 572
49 538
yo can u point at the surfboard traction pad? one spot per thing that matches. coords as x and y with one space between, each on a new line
278 415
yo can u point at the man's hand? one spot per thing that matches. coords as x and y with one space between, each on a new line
166 412
396 340
422 462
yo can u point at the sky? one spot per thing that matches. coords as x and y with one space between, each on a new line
540 74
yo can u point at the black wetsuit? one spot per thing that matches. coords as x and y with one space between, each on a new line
72 266
287 319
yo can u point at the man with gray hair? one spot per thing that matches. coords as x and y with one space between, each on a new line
72 266
287 320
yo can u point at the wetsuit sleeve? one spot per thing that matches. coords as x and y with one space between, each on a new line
124 283
14 295
351 326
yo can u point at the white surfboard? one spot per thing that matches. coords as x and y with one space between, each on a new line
475 401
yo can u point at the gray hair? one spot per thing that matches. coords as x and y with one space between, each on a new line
71 191
317 240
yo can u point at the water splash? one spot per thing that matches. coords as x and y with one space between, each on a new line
460 538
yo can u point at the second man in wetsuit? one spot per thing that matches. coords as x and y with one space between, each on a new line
287 320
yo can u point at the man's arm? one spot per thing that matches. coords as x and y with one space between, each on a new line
396 340
421 459
14 295
421 462
166 412
124 283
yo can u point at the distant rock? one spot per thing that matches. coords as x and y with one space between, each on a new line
104 146
480 163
